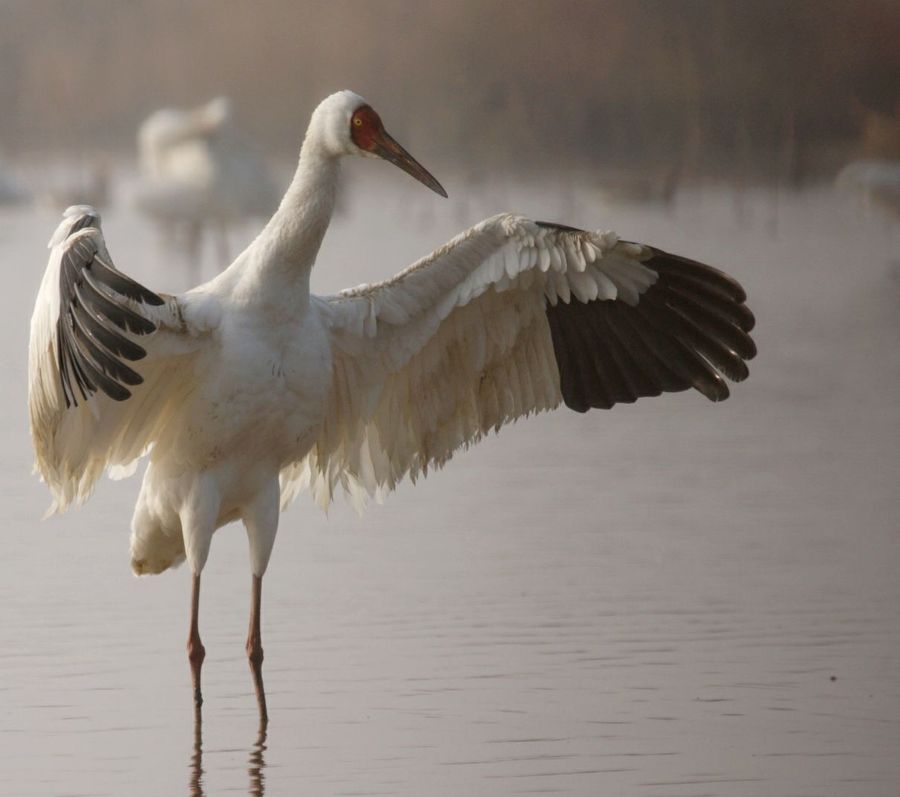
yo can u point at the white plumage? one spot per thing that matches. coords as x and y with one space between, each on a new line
247 389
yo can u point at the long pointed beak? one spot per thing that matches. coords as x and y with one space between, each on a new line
385 147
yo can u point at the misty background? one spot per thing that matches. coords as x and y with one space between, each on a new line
756 91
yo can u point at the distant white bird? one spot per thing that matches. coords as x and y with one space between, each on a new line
197 174
247 388
172 142
876 181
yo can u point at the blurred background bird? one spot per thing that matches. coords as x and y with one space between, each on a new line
199 179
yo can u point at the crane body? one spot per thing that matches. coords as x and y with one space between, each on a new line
248 388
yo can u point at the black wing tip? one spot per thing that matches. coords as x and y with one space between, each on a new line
93 303
689 330
576 406
662 261
111 277
123 394
750 323
717 389
715 290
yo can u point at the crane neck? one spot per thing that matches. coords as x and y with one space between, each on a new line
286 249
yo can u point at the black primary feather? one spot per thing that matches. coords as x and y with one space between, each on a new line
93 314
689 329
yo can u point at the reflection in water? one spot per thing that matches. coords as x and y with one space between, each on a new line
196 782
256 763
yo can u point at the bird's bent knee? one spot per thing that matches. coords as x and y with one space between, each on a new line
254 652
196 651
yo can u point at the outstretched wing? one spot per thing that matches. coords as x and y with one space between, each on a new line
510 318
107 358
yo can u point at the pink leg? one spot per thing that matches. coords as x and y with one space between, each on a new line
255 651
196 651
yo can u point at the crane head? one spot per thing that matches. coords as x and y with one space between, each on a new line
369 136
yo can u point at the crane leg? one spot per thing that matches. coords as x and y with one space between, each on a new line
261 521
195 649
255 650
198 522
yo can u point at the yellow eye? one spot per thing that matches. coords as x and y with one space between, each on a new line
358 121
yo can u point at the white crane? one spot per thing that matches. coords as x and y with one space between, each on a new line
198 174
247 388
172 142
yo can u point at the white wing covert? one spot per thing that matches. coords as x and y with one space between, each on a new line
507 319
106 361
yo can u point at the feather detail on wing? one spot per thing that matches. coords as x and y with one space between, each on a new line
510 318
107 361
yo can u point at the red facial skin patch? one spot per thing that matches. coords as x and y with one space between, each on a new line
365 128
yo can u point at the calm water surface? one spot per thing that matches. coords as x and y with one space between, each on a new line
673 599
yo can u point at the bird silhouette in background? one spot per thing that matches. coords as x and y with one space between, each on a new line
200 179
